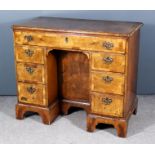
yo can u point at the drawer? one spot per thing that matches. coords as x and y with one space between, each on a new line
108 62
105 104
27 72
107 82
77 42
32 93
30 54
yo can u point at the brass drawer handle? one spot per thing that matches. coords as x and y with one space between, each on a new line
29 52
107 101
108 79
30 70
31 90
108 45
108 60
28 38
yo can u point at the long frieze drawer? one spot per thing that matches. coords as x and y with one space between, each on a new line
28 72
32 93
107 82
105 104
30 54
108 62
81 42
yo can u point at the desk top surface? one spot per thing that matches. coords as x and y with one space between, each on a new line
118 28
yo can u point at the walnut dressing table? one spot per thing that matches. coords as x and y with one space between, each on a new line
90 64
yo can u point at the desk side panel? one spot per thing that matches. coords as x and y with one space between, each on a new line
131 72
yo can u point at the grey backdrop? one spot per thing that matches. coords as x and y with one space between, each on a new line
146 74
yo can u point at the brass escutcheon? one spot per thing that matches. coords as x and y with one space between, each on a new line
108 45
31 90
108 60
30 70
29 52
107 100
107 79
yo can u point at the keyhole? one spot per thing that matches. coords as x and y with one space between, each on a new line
66 39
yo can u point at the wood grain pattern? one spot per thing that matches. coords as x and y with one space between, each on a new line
81 63
65 41
48 114
38 97
28 72
121 124
115 108
98 83
117 63
73 73
52 78
37 55
84 26
67 104
131 71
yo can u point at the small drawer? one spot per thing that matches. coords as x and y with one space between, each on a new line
32 93
29 54
76 42
107 82
108 105
27 72
108 62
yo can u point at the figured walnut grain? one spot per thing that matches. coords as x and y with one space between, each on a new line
99 63
115 108
39 97
36 57
98 84
73 41
37 74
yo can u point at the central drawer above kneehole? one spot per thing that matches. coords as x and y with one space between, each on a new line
77 42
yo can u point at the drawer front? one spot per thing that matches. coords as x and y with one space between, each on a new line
77 42
29 54
108 62
32 94
107 82
30 73
105 104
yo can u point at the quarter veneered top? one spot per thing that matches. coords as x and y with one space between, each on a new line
118 28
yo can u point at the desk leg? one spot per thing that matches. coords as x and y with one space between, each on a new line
48 114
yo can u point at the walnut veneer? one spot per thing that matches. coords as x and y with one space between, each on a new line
89 64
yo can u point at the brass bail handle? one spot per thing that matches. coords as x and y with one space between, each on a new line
108 79
29 52
30 70
108 45
31 90
107 101
108 60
